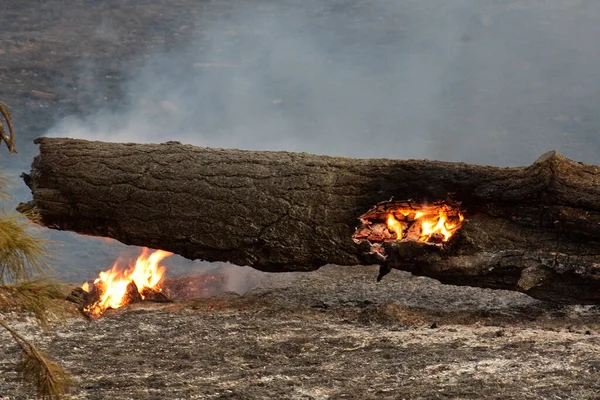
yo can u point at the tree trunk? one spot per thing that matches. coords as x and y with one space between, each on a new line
533 229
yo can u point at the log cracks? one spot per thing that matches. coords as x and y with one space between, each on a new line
534 229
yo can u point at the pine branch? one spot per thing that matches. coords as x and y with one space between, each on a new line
49 379
35 297
22 255
8 138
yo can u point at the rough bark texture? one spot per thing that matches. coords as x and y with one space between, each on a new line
533 229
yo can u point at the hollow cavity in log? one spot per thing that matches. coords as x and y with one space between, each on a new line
408 221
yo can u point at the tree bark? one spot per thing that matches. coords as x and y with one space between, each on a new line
534 229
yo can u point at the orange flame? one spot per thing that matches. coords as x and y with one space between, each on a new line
429 227
432 222
146 273
394 226
407 221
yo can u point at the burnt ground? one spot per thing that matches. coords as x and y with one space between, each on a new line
333 333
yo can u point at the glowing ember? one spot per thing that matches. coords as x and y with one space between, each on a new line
388 221
117 286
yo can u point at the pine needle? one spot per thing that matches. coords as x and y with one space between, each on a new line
5 185
35 297
22 255
49 379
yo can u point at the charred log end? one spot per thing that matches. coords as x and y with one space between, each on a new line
132 294
79 297
27 180
28 209
154 295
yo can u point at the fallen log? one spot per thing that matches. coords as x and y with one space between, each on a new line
533 229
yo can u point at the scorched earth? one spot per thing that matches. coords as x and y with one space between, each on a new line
331 334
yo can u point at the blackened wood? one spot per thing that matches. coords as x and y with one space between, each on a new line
132 294
154 295
85 300
79 297
535 229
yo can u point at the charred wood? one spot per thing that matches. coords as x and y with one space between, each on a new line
534 229
89 302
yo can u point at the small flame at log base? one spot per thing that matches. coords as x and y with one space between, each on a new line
201 285
116 288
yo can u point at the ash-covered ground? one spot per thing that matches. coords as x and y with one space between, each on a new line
330 334
483 81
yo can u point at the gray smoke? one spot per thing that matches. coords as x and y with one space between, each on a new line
464 80
483 81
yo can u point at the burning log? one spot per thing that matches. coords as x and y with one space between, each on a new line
92 305
154 295
116 288
534 229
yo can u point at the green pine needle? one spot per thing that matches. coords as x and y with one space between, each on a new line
22 255
36 297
